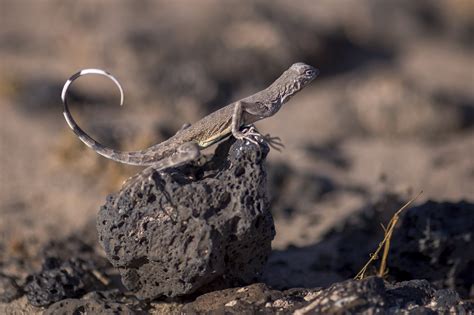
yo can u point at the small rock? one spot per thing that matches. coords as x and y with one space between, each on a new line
433 241
445 299
59 280
192 228
257 298
8 289
373 296
417 292
349 297
107 302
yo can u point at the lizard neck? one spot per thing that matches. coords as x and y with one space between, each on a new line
283 89
270 100
279 93
287 89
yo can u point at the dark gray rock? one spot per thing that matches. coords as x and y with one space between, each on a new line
192 228
107 302
373 296
350 297
82 244
417 292
257 298
421 297
59 280
9 290
433 241
445 299
369 296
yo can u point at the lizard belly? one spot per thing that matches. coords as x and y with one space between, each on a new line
204 143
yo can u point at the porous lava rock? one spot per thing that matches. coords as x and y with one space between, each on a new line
256 298
368 296
9 290
434 241
60 279
374 296
193 228
105 302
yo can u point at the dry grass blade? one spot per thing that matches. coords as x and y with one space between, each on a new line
385 243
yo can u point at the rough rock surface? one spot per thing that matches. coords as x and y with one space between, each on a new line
9 290
252 299
192 226
434 241
373 296
106 302
369 296
60 279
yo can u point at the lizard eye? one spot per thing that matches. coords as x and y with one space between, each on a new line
309 72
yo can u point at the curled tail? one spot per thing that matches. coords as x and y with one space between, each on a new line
130 157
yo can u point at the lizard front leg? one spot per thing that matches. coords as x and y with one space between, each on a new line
250 134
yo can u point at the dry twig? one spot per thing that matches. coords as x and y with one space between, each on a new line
385 243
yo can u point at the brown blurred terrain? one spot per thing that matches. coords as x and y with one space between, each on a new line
392 110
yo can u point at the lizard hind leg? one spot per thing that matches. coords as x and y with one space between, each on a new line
185 153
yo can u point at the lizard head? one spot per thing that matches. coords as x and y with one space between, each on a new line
302 74
294 79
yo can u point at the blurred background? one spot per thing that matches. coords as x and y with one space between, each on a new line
392 111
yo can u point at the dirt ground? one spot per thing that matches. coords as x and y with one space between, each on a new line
391 112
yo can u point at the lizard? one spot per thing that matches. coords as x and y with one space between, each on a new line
186 145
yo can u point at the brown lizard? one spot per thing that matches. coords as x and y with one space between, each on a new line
186 144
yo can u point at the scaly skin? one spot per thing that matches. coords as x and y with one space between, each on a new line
185 146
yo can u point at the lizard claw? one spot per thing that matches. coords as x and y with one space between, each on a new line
252 135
